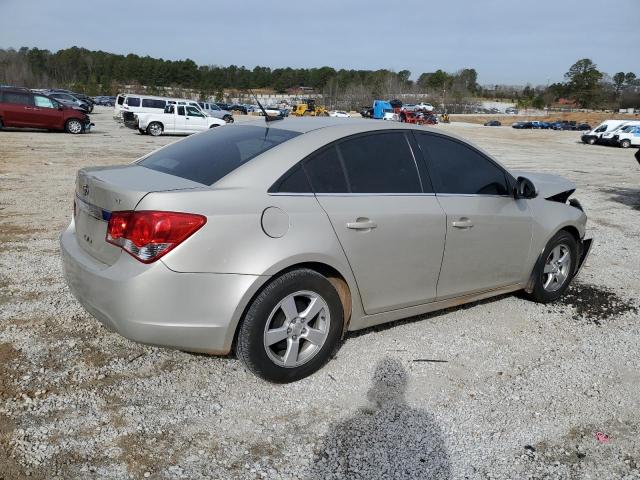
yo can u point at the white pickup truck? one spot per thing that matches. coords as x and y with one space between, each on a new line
176 119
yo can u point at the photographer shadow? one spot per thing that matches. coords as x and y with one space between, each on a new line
388 440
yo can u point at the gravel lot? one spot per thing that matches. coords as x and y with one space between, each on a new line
520 389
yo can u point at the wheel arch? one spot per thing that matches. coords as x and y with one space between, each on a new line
335 277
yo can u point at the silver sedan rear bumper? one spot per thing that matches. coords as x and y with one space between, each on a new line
155 305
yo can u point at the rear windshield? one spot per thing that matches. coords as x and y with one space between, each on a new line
208 157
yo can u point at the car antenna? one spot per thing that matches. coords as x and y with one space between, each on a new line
267 118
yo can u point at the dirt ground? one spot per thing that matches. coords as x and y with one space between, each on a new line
503 388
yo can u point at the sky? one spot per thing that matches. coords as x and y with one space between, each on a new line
510 42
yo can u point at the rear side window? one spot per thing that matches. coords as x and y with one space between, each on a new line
325 172
181 110
120 100
16 98
208 157
152 103
459 169
133 101
380 163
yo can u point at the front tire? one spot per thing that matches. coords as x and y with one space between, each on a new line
292 327
73 126
155 129
625 143
555 269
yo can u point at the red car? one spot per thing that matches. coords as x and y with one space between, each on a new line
22 108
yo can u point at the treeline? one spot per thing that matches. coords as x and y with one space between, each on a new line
101 72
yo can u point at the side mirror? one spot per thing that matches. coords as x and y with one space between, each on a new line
525 188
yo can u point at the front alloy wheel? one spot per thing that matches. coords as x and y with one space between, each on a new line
557 268
73 126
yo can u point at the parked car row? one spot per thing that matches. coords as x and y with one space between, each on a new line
69 98
559 125
620 133
23 108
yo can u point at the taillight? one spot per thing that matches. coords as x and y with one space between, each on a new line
148 235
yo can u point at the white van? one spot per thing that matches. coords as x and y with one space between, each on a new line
149 104
628 136
595 135
608 138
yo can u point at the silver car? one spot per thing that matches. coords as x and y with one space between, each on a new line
214 110
277 238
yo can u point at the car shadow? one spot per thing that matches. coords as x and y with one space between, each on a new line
626 196
426 316
388 439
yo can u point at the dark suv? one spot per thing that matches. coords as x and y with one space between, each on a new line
22 108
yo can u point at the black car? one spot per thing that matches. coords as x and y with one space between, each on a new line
237 107
522 125
366 112
493 123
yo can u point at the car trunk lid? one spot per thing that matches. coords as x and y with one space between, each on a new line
102 190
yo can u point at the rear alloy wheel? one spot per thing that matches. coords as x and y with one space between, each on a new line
228 119
625 143
73 126
292 327
155 129
555 268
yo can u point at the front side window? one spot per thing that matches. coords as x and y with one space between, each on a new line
133 101
208 157
43 102
380 163
194 112
459 169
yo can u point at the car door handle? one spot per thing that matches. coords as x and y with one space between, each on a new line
462 223
362 224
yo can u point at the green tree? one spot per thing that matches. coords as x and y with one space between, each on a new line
618 81
583 80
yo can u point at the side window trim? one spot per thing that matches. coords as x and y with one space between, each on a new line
424 176
509 180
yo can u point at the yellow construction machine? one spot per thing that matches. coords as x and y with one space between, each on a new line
308 108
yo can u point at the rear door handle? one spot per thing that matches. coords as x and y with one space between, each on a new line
362 224
462 223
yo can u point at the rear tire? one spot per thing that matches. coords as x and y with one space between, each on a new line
228 118
155 129
1 124
73 126
555 269
281 343
625 143
591 141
